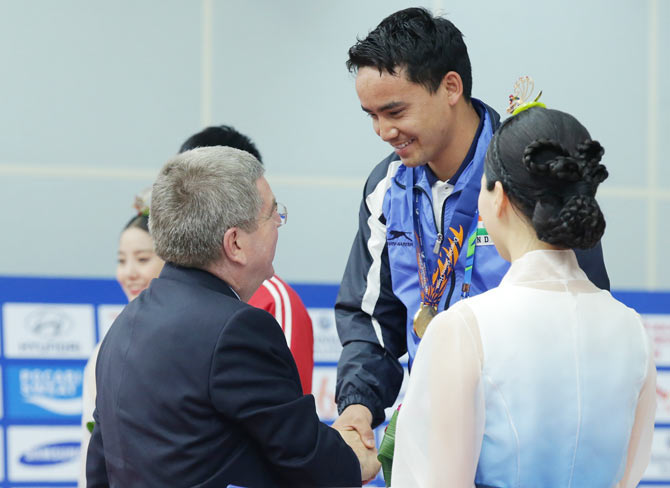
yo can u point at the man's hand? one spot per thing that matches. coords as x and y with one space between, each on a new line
358 418
354 427
366 457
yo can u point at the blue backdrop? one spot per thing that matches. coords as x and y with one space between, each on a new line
49 327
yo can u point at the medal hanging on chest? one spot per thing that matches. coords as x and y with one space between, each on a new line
433 285
422 318
450 241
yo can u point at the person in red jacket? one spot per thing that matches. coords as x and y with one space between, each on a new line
282 301
274 295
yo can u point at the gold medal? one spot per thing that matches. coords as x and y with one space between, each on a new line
423 317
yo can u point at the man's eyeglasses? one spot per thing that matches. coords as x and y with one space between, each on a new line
282 212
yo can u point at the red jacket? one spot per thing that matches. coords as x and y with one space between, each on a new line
278 298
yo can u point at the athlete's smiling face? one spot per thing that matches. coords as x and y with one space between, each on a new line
406 115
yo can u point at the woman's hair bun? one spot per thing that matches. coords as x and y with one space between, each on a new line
549 158
577 224
591 152
550 168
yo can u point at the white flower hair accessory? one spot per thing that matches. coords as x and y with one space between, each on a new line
143 202
523 90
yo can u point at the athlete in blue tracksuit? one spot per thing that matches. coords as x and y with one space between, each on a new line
440 136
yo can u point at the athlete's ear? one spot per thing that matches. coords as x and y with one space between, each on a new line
453 84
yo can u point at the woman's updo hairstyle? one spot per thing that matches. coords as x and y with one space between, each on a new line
550 169
138 221
141 204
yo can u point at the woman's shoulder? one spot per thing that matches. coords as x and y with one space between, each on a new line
484 299
457 319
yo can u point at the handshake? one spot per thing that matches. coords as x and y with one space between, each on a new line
354 427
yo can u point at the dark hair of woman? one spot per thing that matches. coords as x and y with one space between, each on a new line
550 169
140 221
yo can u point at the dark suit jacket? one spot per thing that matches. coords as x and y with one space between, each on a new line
198 389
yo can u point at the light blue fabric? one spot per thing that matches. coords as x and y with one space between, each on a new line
561 387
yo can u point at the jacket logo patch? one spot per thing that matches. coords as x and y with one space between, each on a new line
399 238
397 234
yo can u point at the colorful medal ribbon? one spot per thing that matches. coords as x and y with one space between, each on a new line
431 292
464 212
470 258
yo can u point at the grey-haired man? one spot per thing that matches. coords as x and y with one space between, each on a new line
196 387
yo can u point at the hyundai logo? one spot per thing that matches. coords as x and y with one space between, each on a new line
48 323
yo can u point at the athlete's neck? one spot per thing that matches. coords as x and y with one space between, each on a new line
461 137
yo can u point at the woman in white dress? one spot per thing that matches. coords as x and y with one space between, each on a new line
137 265
545 381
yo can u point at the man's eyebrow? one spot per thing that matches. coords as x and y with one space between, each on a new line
384 108
274 206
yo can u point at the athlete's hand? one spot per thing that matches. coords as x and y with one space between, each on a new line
367 458
359 418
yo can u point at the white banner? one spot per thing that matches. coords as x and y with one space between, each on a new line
323 389
106 316
35 330
327 347
658 328
43 453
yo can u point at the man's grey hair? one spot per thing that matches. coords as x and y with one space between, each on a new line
197 197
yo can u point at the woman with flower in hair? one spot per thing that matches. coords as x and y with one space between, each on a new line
137 265
545 381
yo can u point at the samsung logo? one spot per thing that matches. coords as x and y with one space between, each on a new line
47 454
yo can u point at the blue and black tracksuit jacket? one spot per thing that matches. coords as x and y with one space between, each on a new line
380 291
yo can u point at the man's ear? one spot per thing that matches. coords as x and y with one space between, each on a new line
232 246
453 83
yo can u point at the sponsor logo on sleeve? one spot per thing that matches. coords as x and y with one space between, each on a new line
399 238
33 330
44 392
